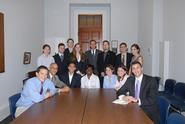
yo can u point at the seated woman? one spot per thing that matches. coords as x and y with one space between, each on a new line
109 80
79 58
122 76
90 80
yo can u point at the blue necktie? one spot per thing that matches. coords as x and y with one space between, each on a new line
137 89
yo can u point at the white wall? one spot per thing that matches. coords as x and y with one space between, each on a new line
174 31
23 32
124 19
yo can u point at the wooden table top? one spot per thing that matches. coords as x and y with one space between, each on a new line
83 106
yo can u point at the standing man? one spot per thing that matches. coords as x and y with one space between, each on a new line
70 45
124 57
105 58
35 90
61 60
92 55
55 79
142 89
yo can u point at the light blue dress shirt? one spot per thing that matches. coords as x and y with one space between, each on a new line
109 82
31 92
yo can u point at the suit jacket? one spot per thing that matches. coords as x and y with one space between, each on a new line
58 83
148 95
128 60
62 65
109 59
92 59
75 82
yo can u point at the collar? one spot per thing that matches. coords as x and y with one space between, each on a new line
140 77
60 54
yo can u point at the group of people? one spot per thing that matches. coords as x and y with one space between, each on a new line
71 68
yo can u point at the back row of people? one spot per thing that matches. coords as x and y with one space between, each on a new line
99 59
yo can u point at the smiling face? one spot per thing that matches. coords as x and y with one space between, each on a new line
72 67
123 49
134 50
121 72
77 48
108 71
46 50
61 49
93 44
105 46
42 75
70 44
137 70
53 69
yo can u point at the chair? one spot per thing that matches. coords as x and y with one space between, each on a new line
12 104
178 99
168 87
176 118
158 80
164 106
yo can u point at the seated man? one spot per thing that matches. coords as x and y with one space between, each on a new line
35 90
71 78
142 89
55 79
90 80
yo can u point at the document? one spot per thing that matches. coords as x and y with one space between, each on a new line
121 101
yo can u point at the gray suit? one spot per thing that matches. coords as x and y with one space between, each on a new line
57 82
92 59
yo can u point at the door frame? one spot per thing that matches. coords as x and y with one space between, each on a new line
90 9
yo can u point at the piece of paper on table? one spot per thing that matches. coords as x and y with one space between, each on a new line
120 101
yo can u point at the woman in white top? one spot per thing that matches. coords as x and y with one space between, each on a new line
122 76
45 59
90 80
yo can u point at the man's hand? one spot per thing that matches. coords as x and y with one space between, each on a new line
64 89
47 95
130 98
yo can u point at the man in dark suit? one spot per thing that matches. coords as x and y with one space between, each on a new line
61 60
142 89
92 55
105 58
71 78
70 45
124 57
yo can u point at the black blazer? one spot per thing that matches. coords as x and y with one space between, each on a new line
76 80
110 59
62 65
148 95
129 58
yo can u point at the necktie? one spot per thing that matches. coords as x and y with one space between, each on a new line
123 59
41 88
61 58
137 89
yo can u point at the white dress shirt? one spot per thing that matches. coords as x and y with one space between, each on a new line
45 60
70 77
93 82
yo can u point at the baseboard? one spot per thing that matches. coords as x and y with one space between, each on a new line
4 112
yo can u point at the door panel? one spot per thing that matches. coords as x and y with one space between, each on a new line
90 28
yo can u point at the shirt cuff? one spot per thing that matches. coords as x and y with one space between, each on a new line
139 101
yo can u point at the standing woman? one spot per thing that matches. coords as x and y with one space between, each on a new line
109 80
45 59
122 76
135 49
79 58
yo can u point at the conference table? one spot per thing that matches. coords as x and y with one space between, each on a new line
83 106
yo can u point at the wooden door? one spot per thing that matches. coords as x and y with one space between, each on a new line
90 28
1 42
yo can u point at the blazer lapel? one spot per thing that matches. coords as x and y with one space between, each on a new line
142 85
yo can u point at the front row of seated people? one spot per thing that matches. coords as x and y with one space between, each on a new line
138 88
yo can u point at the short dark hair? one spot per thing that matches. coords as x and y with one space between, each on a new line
46 45
136 46
123 43
92 41
106 41
61 44
136 62
90 66
70 39
41 67
110 66
71 62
